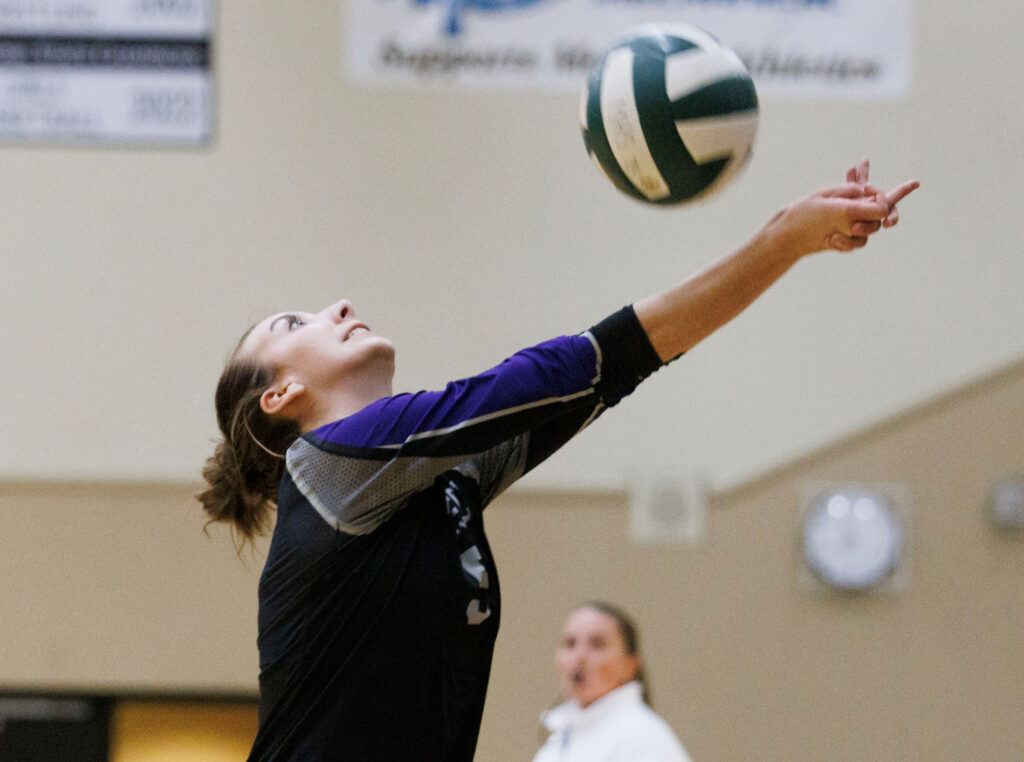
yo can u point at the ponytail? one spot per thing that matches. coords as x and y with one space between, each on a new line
246 467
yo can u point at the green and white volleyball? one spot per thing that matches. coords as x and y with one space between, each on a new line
669 114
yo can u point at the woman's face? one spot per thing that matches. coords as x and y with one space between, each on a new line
319 349
591 657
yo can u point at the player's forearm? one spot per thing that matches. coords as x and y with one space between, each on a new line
678 319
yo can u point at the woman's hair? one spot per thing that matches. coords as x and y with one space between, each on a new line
245 469
630 637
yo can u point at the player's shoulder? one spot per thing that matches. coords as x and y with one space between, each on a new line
649 736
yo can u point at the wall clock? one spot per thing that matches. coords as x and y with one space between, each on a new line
852 538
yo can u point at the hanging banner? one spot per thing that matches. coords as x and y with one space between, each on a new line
105 71
801 48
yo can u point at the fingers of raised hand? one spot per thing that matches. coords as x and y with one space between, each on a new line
864 228
863 217
855 190
850 190
895 195
866 209
858 173
900 192
841 242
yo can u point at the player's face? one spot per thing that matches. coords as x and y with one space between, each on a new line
320 348
591 657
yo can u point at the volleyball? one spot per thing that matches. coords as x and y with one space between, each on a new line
669 114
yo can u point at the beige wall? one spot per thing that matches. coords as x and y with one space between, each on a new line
446 213
747 662
115 587
109 586
129 274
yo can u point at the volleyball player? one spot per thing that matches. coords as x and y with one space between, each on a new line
379 602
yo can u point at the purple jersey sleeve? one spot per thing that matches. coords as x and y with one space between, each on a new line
475 413
357 471
494 426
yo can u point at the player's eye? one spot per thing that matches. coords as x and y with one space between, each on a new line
294 321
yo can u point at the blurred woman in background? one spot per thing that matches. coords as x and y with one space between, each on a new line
607 717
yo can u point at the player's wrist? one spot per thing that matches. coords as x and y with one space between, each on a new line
785 238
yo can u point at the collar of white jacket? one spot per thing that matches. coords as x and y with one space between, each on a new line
572 714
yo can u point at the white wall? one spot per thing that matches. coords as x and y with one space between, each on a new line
465 224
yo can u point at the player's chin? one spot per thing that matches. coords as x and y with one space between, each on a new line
385 345
371 342
382 350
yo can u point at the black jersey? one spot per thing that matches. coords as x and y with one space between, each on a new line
379 601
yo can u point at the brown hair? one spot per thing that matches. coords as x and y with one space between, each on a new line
245 469
630 637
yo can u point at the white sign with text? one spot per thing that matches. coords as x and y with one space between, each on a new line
106 71
803 48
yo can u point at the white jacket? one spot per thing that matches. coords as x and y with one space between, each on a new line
618 727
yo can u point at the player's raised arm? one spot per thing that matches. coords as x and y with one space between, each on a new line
840 218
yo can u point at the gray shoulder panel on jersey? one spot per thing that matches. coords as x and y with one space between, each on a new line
497 468
356 496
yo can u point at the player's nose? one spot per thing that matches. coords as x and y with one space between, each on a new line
339 311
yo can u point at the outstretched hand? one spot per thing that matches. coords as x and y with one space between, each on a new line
859 174
841 218
845 216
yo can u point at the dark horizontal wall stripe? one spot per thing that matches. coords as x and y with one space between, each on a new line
105 52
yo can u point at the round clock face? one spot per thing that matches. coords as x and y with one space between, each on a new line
852 539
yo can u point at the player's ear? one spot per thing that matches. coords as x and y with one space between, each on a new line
277 399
